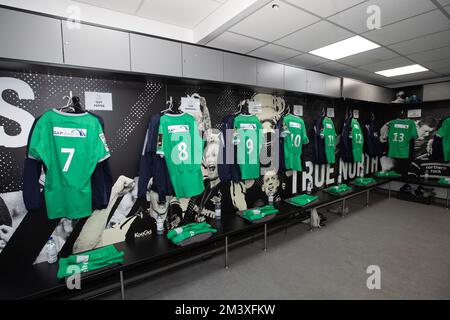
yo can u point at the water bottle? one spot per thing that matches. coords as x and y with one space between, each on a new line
159 224
218 210
52 253
427 175
340 179
309 187
270 198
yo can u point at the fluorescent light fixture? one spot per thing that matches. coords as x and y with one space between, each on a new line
345 48
402 70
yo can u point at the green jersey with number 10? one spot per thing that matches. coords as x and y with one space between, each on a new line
182 147
70 145
401 131
294 141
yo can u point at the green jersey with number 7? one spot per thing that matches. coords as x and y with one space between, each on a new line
401 131
180 143
70 145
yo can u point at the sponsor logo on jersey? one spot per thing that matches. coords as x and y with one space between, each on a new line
180 128
102 137
355 126
401 126
82 258
248 126
142 234
295 125
329 126
69 132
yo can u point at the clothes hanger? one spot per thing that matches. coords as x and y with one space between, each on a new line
169 104
76 103
68 105
403 114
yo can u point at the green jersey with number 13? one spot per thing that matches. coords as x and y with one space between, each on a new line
401 131
182 147
70 145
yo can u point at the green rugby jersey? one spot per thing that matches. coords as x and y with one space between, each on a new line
70 145
303 200
387 174
339 188
249 134
293 141
444 133
357 141
182 233
329 134
259 213
89 261
400 133
182 147
364 181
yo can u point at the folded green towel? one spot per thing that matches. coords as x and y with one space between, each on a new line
444 180
88 261
259 213
387 174
339 188
364 181
180 234
303 200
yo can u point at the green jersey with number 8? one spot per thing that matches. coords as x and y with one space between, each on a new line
401 131
180 143
294 141
329 134
357 141
70 145
249 134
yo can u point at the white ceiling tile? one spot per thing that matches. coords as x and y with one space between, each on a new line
431 55
330 67
306 60
437 66
186 13
314 37
274 52
417 76
269 24
235 42
432 41
129 6
366 76
369 57
325 8
387 64
423 24
356 18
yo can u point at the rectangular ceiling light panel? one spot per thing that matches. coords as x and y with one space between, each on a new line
402 70
345 48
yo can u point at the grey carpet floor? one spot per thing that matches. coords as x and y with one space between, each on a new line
409 242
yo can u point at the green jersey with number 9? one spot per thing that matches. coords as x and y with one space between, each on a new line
180 143
249 134
70 145
401 131
329 134
294 141
357 141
